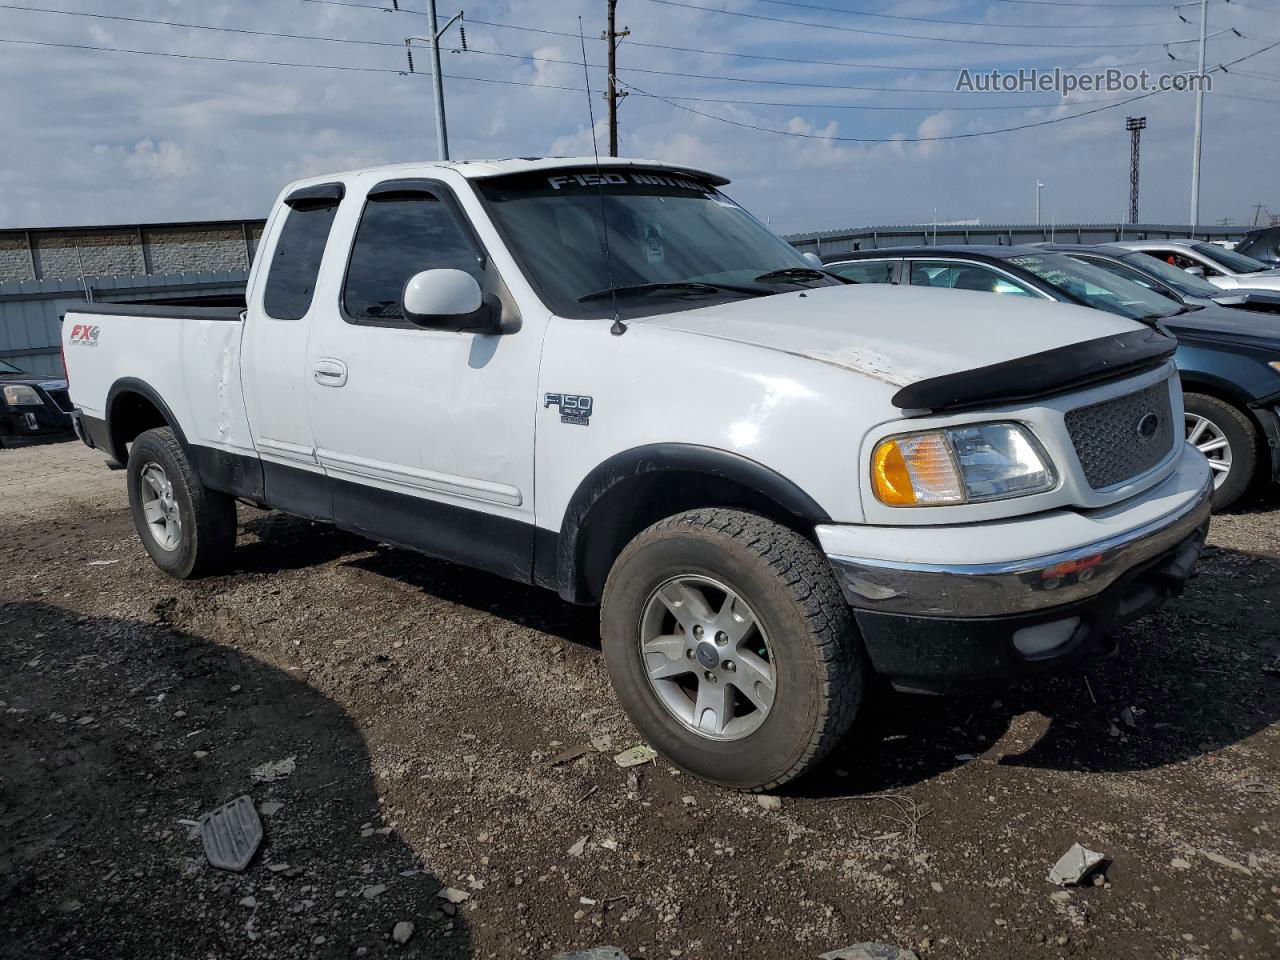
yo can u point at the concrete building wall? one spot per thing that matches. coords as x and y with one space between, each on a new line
127 250
101 254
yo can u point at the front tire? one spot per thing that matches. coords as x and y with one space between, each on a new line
188 529
731 647
1228 438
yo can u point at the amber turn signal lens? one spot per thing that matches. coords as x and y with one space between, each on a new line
915 470
889 472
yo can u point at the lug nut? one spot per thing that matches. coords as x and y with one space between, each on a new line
697 632
722 638
711 677
730 666
688 654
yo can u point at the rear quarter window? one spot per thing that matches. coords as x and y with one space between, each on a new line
295 263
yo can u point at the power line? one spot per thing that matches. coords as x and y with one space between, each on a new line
953 136
911 36
1238 96
198 26
719 77
1082 3
972 23
698 50
858 106
496 53
277 63
1250 6
956 136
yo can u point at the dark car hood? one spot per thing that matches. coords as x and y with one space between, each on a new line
1226 323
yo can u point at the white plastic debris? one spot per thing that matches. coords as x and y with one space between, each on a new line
636 756
1074 865
870 951
274 769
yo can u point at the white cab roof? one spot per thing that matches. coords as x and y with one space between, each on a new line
483 169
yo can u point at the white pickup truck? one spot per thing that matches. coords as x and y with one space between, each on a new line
615 383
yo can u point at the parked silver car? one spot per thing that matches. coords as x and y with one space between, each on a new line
1221 267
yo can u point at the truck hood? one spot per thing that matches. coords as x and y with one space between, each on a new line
899 335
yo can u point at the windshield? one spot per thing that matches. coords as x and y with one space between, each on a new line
8 368
1180 280
1235 262
1096 287
674 241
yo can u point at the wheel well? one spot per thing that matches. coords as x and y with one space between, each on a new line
131 414
1218 393
638 502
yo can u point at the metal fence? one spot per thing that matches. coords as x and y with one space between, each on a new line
31 311
873 238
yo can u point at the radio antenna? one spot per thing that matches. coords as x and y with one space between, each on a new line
618 328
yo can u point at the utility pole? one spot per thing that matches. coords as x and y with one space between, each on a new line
1039 187
1135 126
1195 155
613 94
437 80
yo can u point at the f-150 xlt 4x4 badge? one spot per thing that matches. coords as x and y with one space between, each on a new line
573 407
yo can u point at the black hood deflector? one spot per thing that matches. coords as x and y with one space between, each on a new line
1040 374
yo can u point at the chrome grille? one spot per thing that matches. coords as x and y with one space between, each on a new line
1108 441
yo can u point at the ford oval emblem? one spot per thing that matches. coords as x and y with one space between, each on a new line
1147 426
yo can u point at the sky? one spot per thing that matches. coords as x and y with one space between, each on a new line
96 137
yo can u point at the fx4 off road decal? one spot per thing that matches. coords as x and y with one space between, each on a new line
83 335
573 407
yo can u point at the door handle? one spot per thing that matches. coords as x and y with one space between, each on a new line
330 373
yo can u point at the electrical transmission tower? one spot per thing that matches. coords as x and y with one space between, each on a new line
1135 126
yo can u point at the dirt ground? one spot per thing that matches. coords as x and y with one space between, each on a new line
421 704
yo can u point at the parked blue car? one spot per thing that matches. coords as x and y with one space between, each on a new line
1228 358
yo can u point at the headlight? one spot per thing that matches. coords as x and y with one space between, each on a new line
20 396
986 461
1274 365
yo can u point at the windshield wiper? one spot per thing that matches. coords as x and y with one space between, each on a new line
795 275
676 286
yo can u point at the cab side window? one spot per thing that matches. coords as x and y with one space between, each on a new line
865 271
402 232
965 276
295 262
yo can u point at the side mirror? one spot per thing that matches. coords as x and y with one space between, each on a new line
814 260
1195 271
442 298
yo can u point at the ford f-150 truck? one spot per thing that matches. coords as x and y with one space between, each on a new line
614 382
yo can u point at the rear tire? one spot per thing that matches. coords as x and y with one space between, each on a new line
1227 436
188 529
753 710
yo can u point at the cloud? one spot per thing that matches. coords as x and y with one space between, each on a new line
120 137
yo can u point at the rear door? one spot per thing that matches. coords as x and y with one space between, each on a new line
281 312
425 434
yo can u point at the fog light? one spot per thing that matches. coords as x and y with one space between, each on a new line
31 421
1043 637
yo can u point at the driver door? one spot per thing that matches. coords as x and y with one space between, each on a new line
426 435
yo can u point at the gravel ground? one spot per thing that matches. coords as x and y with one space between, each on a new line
422 704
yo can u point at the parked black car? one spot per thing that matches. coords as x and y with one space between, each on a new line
31 406
1263 244
1228 359
1166 279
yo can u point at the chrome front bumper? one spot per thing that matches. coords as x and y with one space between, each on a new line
1058 578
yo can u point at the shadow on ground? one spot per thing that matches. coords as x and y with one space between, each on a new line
1192 675
100 724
